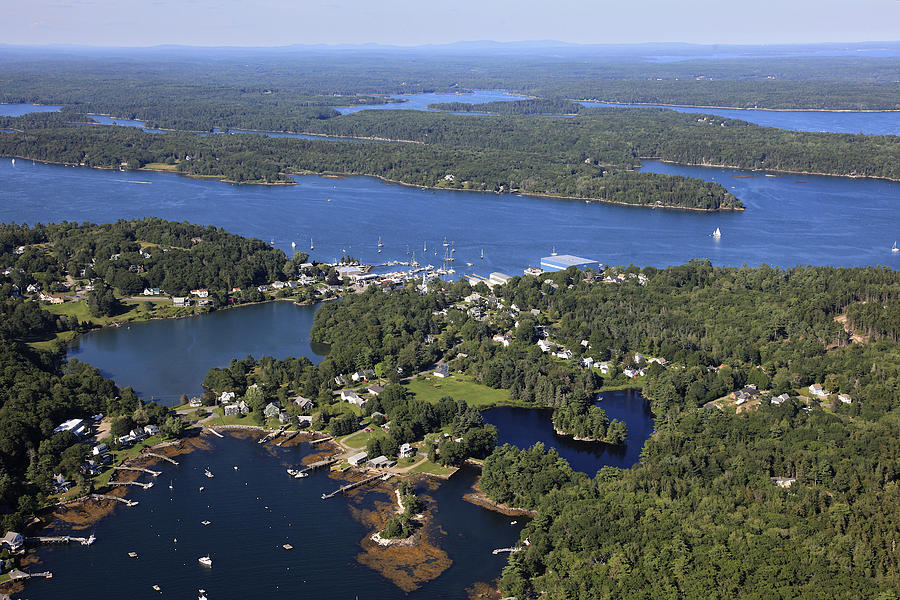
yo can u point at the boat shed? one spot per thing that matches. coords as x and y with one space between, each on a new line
357 459
564 261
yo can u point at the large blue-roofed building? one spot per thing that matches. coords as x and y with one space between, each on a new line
564 261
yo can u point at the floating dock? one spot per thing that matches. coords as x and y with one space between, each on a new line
160 456
134 483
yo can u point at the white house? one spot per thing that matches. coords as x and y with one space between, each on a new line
12 541
226 397
816 389
180 301
544 345
200 293
780 399
845 398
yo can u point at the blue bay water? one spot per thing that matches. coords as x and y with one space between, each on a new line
874 122
825 220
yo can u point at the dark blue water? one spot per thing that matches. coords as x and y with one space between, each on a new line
876 123
524 427
17 110
825 221
253 511
167 358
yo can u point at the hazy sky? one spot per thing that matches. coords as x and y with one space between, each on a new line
414 22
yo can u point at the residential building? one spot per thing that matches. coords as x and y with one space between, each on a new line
12 541
407 450
79 427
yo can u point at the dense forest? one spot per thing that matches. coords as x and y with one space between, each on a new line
133 255
700 513
199 89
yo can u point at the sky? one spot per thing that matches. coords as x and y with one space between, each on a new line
417 22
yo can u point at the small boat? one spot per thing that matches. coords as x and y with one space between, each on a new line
202 488
202 595
133 554
208 473
156 587
171 487
13 162
468 264
287 546
513 522
205 561
301 475
311 247
205 522
554 252
235 468
894 248
292 472
482 254
89 541
380 244
717 234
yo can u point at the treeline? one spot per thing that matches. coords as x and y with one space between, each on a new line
586 422
134 255
538 106
209 90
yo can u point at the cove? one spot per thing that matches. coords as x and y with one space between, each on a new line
163 359
823 220
253 511
523 427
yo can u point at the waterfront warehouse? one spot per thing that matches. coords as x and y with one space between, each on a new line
564 261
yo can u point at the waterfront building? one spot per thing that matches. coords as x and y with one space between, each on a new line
564 261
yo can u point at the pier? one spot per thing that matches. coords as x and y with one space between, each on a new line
320 440
213 431
318 464
16 575
292 435
134 483
272 435
139 469
354 485
124 501
60 539
160 456
504 550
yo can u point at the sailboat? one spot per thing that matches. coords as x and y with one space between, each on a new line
554 252
894 248
482 254
425 247
13 162
380 244
311 247
446 243
717 234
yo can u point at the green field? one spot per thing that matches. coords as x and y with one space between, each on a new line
459 387
359 439
434 469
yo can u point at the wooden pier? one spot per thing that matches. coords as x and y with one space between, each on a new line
319 464
17 575
272 435
60 539
134 483
503 550
288 438
140 469
354 485
160 456
124 501
320 440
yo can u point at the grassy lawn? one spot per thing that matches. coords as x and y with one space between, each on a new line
160 167
359 439
434 469
460 387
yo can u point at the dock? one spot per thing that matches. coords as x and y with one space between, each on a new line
60 539
134 483
320 440
504 550
124 501
160 456
140 469
319 464
288 438
272 435
354 485
16 575
213 431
